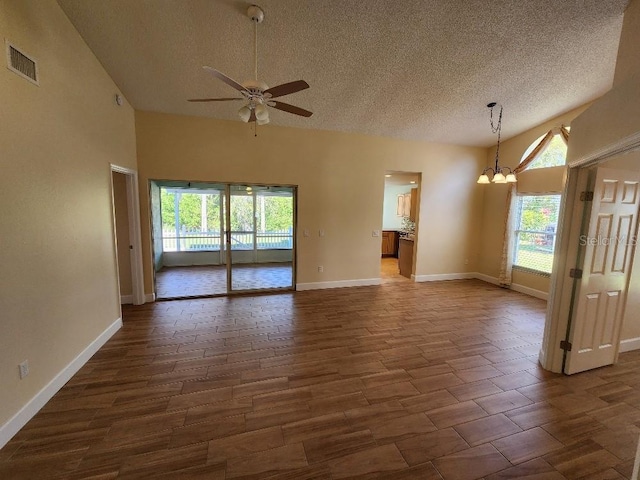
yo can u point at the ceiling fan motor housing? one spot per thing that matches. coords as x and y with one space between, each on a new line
255 85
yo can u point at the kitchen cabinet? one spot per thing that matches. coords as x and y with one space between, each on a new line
408 205
413 204
389 243
405 257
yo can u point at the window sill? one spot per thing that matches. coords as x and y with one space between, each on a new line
531 271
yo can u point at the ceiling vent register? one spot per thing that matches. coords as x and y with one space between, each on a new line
21 64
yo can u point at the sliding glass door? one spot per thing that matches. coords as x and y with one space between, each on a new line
215 238
261 237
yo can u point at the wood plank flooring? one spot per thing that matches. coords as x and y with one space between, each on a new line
400 381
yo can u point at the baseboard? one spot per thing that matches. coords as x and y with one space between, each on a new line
532 292
443 276
363 282
516 287
126 299
149 297
629 345
486 278
33 406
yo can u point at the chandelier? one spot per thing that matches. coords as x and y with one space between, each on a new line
497 172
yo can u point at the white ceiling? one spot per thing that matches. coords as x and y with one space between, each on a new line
412 69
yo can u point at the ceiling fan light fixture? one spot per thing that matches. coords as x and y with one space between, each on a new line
263 121
261 112
244 113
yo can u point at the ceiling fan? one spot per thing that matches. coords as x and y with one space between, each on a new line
257 95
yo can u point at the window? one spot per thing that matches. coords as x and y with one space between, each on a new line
553 156
536 225
193 220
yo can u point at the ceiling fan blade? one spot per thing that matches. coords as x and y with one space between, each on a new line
285 107
229 81
287 88
213 99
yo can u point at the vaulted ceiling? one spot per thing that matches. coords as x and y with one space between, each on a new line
412 69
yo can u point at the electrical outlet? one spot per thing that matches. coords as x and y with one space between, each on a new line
375 233
320 268
321 233
305 232
24 369
466 261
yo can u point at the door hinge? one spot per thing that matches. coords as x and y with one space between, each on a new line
586 196
566 346
575 273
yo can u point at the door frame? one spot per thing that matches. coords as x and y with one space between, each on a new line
561 291
225 244
135 236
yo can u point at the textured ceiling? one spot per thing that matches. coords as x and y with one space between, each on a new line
413 69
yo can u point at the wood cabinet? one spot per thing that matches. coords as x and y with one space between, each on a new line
413 204
389 243
405 257
408 205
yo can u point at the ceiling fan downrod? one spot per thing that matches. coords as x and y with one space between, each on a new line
256 14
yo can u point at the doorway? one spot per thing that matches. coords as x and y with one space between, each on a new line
213 239
399 226
127 236
597 285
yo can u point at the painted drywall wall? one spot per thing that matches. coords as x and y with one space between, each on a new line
58 288
495 196
616 115
627 65
122 232
390 218
340 179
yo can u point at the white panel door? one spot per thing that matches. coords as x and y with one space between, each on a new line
608 248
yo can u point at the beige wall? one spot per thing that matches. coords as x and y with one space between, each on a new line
494 208
122 232
58 288
341 187
616 115
627 64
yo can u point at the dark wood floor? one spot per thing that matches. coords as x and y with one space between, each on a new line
399 381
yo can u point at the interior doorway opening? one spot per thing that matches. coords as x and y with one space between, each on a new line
212 239
595 289
127 234
399 226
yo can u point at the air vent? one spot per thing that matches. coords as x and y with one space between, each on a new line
21 64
